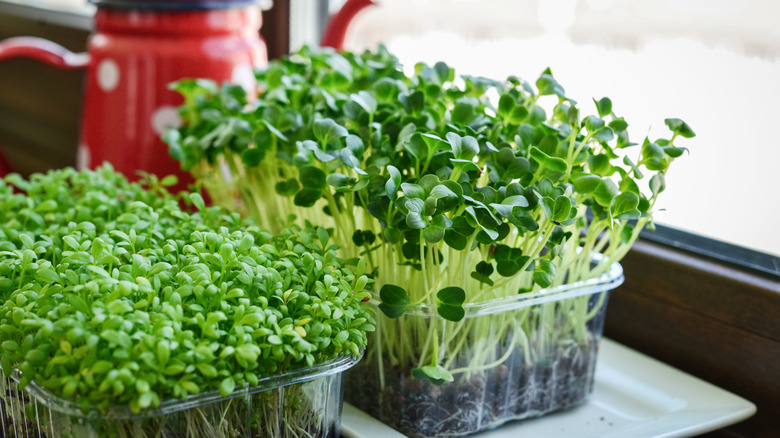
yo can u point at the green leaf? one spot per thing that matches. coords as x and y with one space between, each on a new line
600 165
413 191
253 157
307 197
605 192
414 102
365 100
416 147
414 218
624 206
509 260
463 148
323 236
507 205
327 131
485 220
653 156
47 275
586 183
604 134
506 104
455 240
593 124
386 88
443 71
547 205
637 173
482 272
288 187
573 116
447 195
197 201
519 114
433 143
604 106
393 183
618 125
542 279
674 152
102 366
10 345
227 386
680 128
248 352
547 85
463 112
553 163
434 231
393 235
561 209
450 303
394 299
46 206
435 374
312 178
657 183
339 181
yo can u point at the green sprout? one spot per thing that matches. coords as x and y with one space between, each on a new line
454 189
114 295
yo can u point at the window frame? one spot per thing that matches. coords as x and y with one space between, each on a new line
712 318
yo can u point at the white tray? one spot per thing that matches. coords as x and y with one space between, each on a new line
634 396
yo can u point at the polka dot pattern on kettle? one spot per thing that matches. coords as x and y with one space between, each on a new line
165 118
83 157
108 75
244 76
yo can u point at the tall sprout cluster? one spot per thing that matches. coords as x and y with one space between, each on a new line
454 189
113 295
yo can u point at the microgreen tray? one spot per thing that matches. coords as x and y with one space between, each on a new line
523 357
300 403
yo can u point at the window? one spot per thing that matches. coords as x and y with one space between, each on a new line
712 63
76 14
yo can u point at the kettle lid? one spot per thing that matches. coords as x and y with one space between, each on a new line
174 5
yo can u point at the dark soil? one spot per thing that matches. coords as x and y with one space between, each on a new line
510 391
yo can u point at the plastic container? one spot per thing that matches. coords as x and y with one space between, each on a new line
302 403
511 358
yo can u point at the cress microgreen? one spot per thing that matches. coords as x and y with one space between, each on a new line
437 185
113 295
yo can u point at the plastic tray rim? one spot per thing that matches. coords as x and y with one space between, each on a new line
610 280
172 405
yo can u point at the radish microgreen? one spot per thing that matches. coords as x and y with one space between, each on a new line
452 197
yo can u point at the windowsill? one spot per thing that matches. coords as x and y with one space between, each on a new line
72 15
706 317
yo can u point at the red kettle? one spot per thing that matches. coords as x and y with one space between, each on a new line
136 50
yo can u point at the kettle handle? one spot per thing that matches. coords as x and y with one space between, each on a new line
337 27
42 50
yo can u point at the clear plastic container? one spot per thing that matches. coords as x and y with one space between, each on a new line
511 358
301 403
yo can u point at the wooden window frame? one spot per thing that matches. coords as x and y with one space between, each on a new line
710 318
